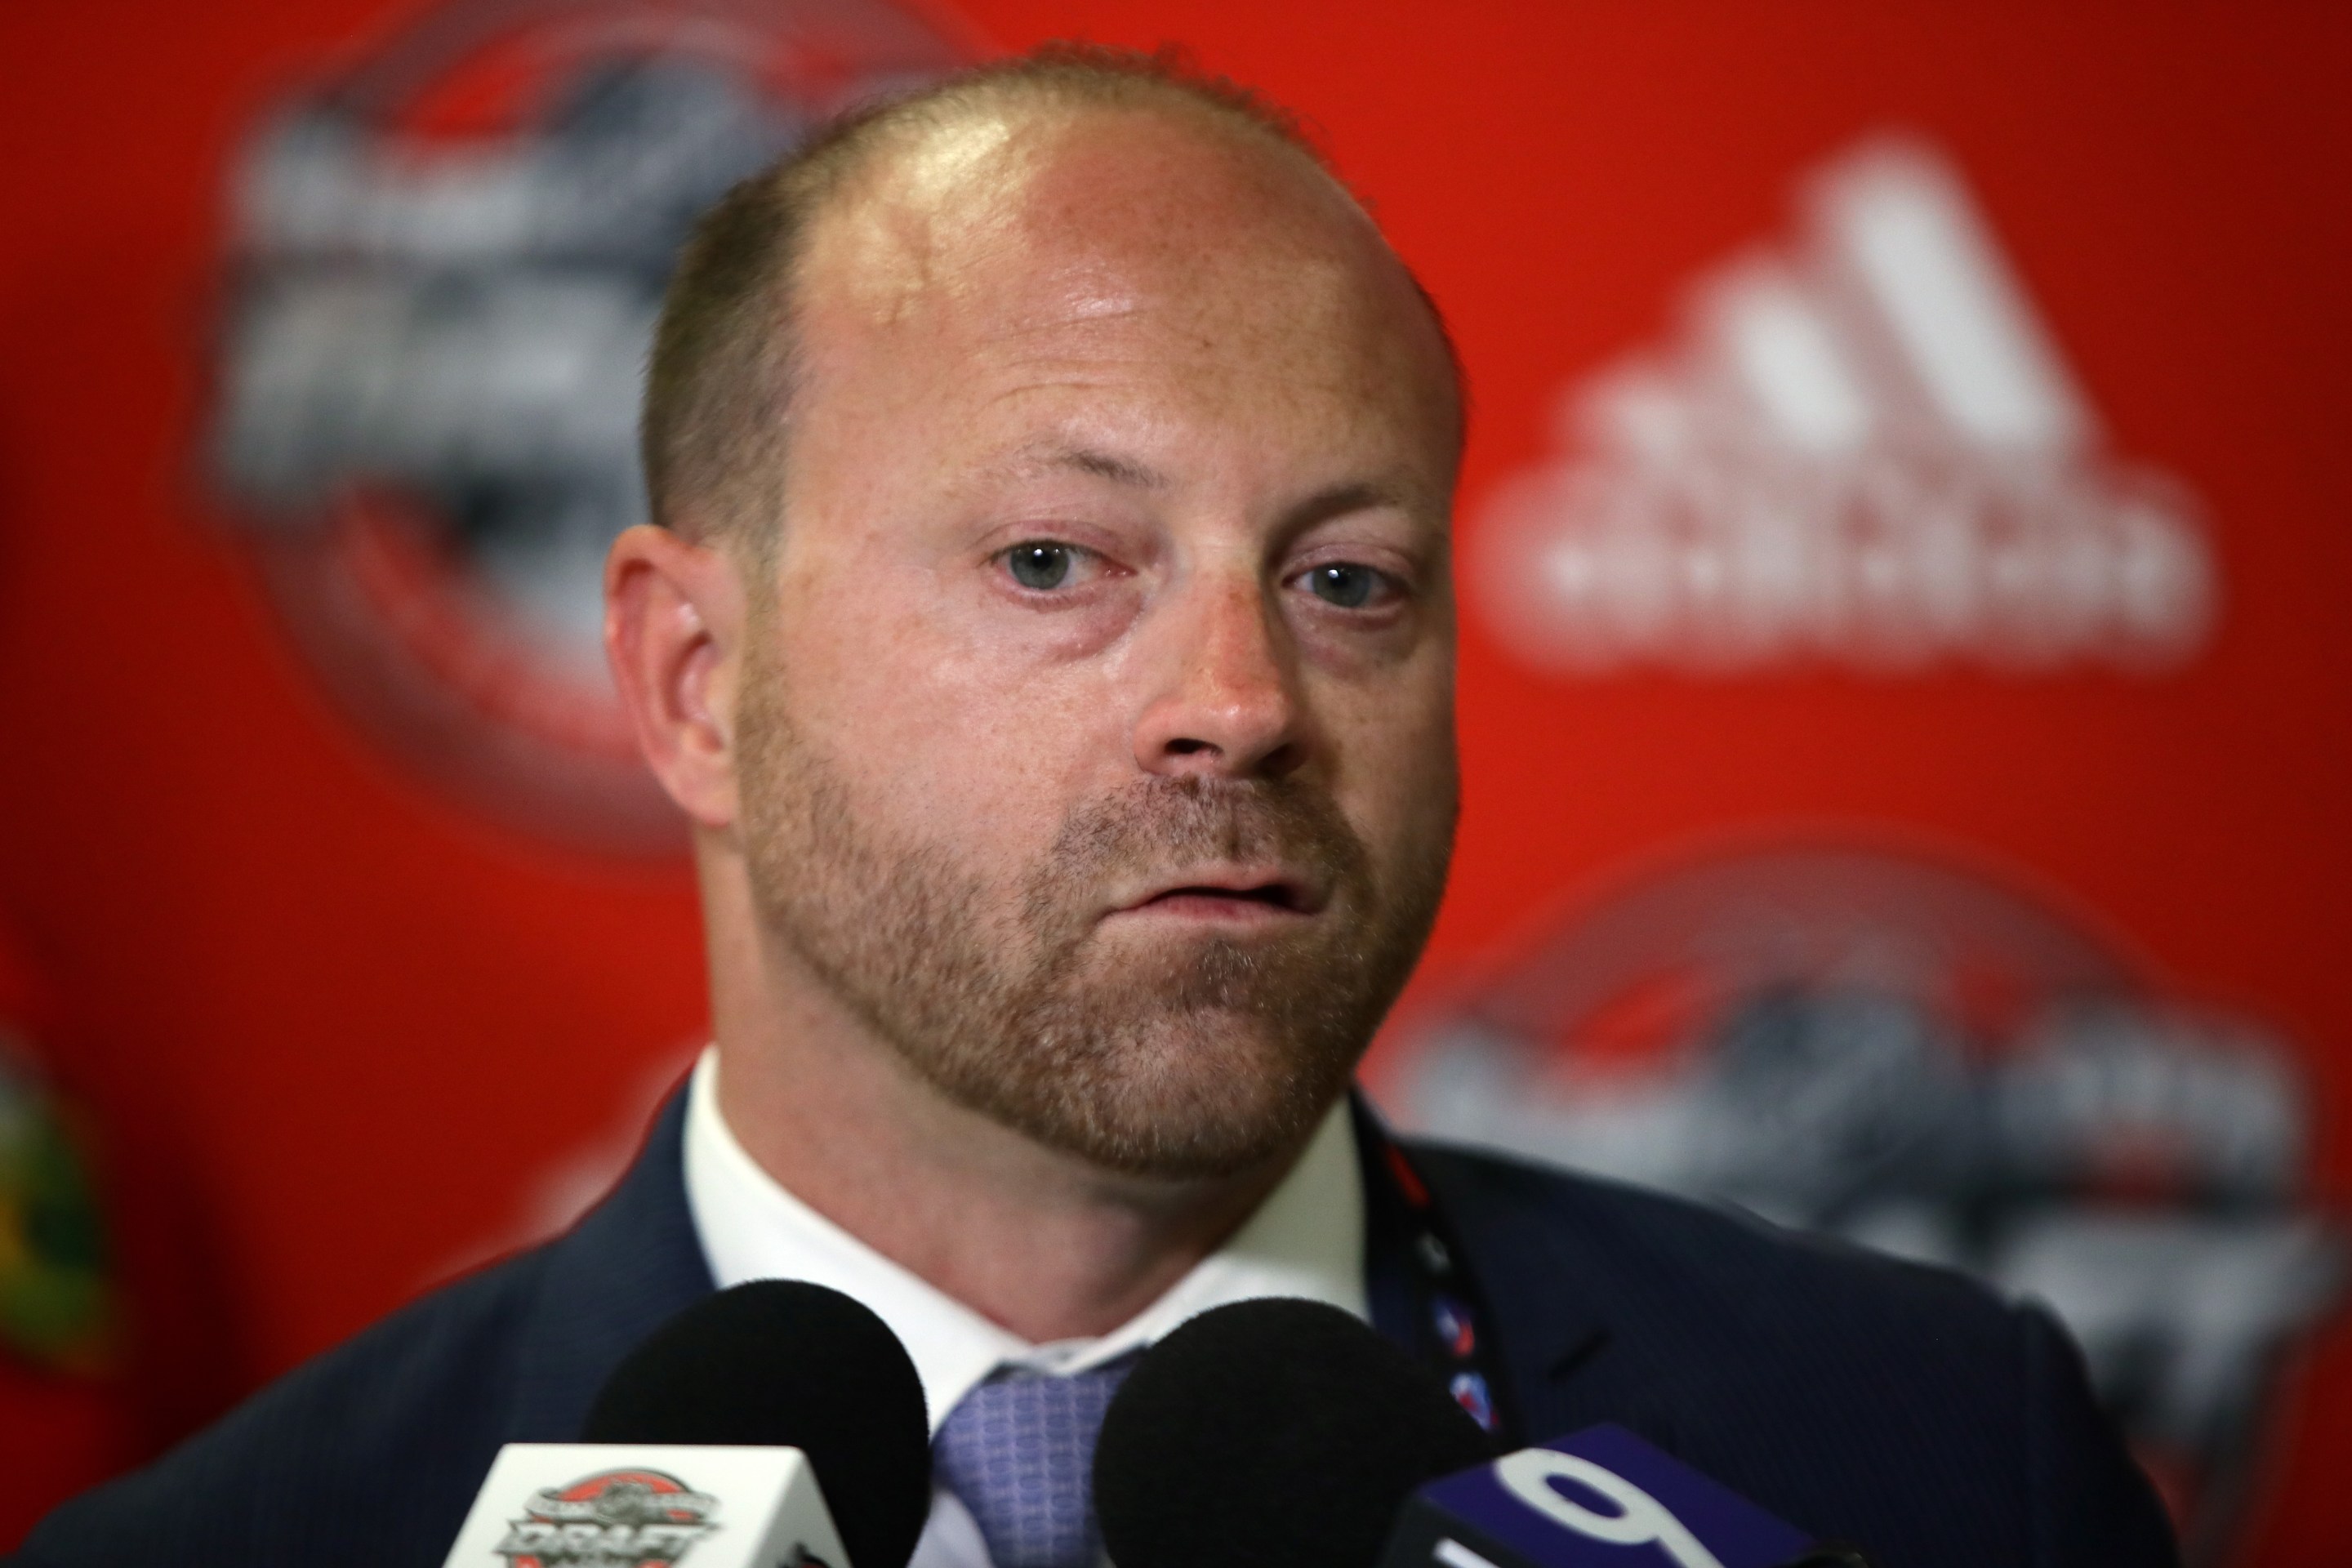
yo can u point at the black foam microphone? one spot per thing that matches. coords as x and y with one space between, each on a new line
777 1425
1282 1433
1277 1433
784 1364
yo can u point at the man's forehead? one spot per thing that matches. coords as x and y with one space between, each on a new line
1043 219
1063 452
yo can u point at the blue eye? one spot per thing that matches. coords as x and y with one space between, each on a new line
1344 584
1038 564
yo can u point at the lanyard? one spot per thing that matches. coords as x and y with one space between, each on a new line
1422 1292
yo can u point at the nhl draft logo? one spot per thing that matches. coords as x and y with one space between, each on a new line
446 262
1863 449
616 1518
1915 1056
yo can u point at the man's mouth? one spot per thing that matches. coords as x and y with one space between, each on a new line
1239 897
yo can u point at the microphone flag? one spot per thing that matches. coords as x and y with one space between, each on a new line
1600 1498
645 1505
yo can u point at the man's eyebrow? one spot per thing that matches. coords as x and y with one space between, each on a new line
1102 465
1339 500
1336 501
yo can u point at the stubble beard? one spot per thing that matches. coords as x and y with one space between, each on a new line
1182 1060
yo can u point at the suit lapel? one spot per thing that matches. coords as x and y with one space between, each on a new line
633 1263
1558 1347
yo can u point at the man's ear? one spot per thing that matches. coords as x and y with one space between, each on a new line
674 628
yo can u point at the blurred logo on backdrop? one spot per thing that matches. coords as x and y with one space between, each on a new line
1862 447
1926 1062
447 263
57 1306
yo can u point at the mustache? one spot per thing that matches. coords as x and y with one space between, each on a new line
1173 822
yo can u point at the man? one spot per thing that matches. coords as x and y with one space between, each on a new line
1049 637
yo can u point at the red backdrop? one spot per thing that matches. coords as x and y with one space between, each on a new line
339 1037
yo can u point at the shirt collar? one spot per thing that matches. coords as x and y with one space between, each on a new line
1306 1239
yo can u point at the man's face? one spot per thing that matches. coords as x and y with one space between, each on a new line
1096 726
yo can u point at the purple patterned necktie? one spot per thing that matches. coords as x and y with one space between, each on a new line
1019 1452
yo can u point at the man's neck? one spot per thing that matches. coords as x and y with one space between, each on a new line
1046 1245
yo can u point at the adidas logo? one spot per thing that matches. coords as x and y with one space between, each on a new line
1865 449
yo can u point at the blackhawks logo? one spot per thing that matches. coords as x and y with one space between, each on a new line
614 1519
446 257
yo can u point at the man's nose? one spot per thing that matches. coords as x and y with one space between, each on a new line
1225 701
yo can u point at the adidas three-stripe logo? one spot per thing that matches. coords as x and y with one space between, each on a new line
1862 447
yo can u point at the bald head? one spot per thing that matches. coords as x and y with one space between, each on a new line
1046 196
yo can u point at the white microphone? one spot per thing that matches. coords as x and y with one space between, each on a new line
643 1504
777 1425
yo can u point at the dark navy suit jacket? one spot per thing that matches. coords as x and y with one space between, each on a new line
1901 1408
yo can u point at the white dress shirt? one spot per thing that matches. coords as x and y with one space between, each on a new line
1306 1239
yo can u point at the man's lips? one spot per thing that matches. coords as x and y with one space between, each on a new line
1227 894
